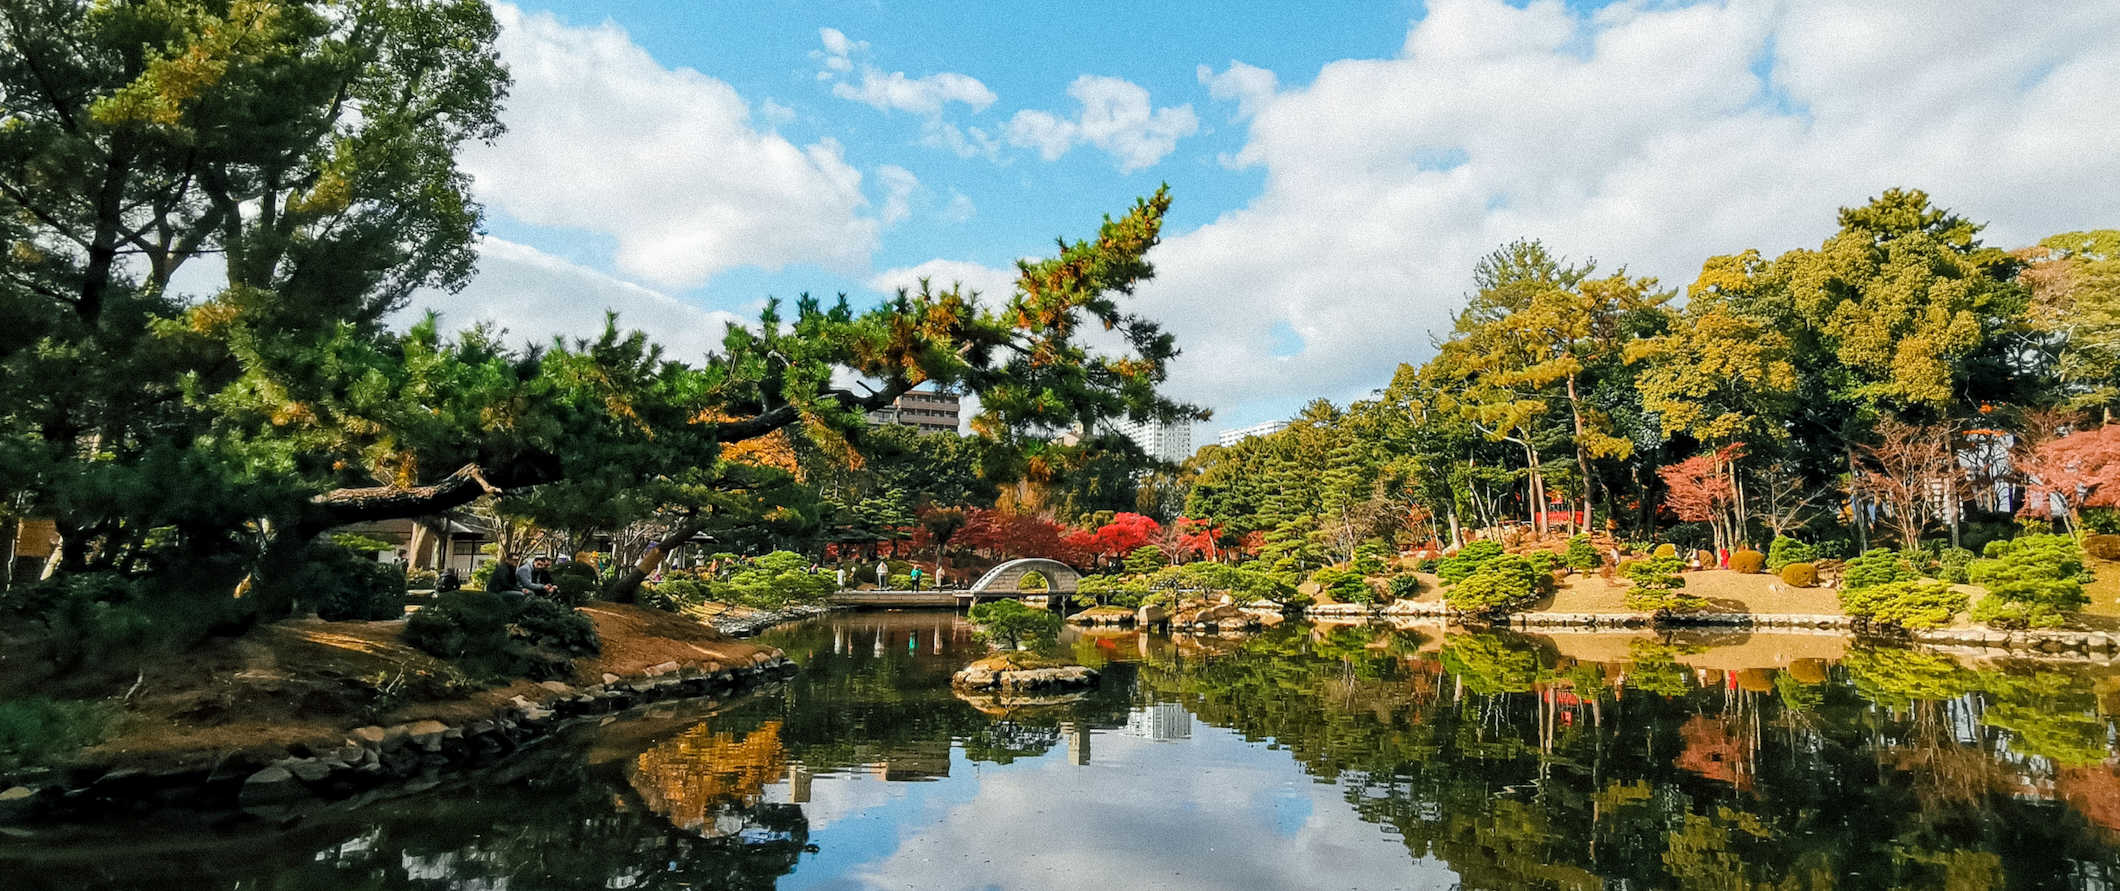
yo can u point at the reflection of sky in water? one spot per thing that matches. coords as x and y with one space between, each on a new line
1208 810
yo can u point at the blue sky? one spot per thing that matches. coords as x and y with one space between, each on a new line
1337 168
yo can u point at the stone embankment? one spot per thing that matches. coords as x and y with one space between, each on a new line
373 759
741 622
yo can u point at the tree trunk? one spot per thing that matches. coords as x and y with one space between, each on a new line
624 587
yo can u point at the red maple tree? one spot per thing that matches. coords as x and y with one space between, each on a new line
1701 490
2073 472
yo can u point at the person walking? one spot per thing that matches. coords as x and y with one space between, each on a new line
883 573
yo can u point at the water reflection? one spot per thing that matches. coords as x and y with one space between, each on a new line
1345 755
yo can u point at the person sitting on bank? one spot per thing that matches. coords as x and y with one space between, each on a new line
505 579
540 578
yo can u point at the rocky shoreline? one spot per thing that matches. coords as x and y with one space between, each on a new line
754 623
373 760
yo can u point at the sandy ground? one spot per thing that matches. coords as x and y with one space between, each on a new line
312 681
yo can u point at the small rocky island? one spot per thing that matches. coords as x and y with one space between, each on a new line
1022 672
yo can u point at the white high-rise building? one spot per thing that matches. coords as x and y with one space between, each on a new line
1232 437
1163 442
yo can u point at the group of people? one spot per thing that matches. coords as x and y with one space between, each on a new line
509 578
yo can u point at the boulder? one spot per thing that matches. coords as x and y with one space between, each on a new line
273 785
17 803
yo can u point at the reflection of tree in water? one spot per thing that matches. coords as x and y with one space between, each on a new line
703 780
1004 741
1522 768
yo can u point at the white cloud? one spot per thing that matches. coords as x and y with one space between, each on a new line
1642 134
775 112
899 184
537 296
959 210
1247 85
996 284
968 142
1116 116
665 162
894 91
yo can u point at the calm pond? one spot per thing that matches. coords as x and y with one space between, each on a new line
1301 757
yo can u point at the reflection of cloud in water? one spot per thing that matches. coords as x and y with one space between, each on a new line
1236 817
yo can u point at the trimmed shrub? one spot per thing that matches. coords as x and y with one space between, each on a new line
1344 584
1405 587
576 582
2035 581
1747 561
424 579
1500 586
2102 521
1953 565
486 635
1545 561
1581 556
1799 575
1146 559
1786 550
1911 604
1461 565
1666 549
460 623
1658 588
1876 567
676 594
1706 559
1033 581
347 584
1011 625
2104 546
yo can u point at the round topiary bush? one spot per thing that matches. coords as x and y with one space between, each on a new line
576 581
1666 549
1747 560
1913 604
2105 546
1799 575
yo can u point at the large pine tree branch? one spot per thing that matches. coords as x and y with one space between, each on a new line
340 507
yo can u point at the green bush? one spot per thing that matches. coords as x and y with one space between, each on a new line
1747 561
576 581
676 594
345 583
1666 549
1405 587
1581 555
1545 561
1786 550
480 573
1910 604
2102 521
1461 565
1033 581
1146 559
487 636
459 624
424 579
1952 565
1799 575
2037 580
96 617
1344 584
1659 588
1876 567
1499 586
1011 625
545 623
36 730
778 579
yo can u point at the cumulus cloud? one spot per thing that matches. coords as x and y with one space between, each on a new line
1247 85
1116 116
667 163
1645 133
899 184
537 296
894 91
